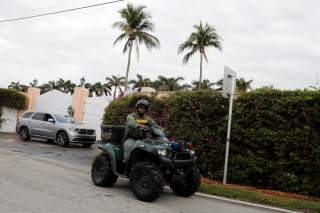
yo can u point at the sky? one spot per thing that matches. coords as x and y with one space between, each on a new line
271 42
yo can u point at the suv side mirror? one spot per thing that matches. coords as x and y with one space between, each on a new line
51 120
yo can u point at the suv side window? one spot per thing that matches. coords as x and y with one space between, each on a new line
27 114
38 116
47 117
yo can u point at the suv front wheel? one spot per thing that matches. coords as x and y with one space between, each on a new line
62 139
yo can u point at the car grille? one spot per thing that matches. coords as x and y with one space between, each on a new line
86 131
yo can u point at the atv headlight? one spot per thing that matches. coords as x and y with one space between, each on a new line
162 152
192 152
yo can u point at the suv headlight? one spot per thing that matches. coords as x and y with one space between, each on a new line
74 130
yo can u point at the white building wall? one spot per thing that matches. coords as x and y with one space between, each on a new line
53 101
93 112
10 120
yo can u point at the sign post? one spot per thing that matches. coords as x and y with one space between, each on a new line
229 82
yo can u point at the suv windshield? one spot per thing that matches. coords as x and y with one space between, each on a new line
63 119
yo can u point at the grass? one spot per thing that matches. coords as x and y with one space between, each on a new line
304 205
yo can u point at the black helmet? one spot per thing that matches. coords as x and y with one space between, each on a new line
144 103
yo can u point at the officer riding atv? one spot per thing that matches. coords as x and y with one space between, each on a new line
141 152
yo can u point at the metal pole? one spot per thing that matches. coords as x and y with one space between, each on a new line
228 133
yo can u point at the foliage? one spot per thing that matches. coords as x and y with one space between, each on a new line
12 99
204 36
275 138
205 85
18 87
233 192
1 120
115 82
167 84
141 82
135 28
98 89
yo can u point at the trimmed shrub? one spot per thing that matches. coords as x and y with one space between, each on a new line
197 116
11 99
275 140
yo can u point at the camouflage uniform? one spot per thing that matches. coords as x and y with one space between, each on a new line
134 134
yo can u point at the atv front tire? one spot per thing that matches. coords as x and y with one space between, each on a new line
101 172
187 184
146 181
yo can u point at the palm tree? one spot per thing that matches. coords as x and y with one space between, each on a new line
205 85
169 84
115 82
18 87
89 87
61 84
141 82
219 84
242 86
203 37
34 83
69 87
99 89
135 26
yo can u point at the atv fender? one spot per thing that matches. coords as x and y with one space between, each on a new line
108 148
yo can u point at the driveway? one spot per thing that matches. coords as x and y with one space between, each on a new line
41 177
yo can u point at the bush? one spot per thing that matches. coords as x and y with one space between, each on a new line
275 141
11 99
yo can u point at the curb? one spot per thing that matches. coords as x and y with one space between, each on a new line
244 203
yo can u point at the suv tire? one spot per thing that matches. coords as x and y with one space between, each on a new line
62 139
146 181
24 134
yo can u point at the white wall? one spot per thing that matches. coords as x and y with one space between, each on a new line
93 112
53 101
10 117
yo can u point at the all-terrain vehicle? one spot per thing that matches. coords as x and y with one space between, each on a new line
152 164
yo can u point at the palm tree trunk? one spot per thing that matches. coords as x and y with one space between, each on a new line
128 65
114 93
200 79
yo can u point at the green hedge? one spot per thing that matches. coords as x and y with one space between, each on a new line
275 141
11 99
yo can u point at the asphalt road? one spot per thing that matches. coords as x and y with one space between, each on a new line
41 177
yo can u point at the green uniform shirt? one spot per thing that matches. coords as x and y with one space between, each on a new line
134 120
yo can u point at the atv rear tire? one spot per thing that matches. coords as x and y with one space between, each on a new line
146 181
101 172
187 184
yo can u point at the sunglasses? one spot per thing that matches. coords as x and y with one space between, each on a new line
142 107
